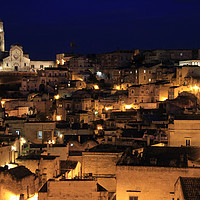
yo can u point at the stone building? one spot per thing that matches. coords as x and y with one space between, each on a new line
119 58
2 42
46 166
184 131
17 183
17 60
187 188
151 173
77 189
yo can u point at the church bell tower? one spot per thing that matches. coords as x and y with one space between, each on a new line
2 43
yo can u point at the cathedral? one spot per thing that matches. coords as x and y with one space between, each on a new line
15 60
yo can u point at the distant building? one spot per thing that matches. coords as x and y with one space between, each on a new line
2 42
119 58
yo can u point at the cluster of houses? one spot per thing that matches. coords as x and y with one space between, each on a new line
123 125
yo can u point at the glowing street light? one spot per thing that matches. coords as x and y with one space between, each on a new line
96 87
128 107
57 96
58 118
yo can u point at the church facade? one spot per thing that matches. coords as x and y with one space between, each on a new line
15 60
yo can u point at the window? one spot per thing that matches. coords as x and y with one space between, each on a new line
17 132
7 64
50 65
24 64
41 66
133 198
188 142
144 77
144 71
40 135
32 66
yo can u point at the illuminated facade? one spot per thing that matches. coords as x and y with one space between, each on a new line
2 42
17 60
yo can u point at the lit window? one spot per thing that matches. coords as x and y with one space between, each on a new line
131 72
149 80
144 71
181 54
40 135
71 145
136 71
17 132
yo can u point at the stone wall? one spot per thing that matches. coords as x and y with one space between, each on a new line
152 183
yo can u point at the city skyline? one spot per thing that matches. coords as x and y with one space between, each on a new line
45 29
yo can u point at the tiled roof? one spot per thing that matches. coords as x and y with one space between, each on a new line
20 172
190 187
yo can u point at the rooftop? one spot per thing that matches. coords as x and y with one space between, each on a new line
190 188
20 172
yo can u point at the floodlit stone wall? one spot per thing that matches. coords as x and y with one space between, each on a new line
152 183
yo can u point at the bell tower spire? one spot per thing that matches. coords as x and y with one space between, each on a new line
2 42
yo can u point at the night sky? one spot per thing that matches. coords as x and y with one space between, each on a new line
45 28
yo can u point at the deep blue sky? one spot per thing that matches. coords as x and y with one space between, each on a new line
47 27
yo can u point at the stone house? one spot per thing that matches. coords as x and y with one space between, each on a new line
151 173
72 189
187 188
17 183
184 131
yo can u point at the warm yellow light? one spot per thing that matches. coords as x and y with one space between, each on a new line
58 62
99 127
195 88
35 197
128 106
58 117
61 135
163 98
117 87
96 87
108 108
10 166
57 96
2 103
53 141
13 148
23 141
12 196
